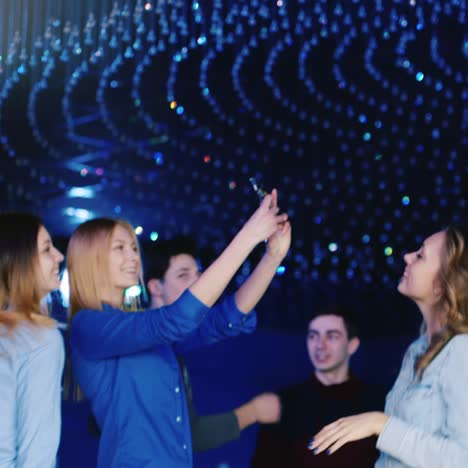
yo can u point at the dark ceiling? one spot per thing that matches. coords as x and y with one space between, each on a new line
159 112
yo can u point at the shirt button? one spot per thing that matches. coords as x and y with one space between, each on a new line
177 389
178 419
230 325
185 446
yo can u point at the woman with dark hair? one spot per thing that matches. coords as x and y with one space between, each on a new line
126 363
425 423
31 347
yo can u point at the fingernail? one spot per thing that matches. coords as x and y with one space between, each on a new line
315 451
327 451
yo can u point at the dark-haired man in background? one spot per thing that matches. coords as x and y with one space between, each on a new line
171 267
331 392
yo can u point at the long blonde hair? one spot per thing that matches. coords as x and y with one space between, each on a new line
19 289
453 303
88 260
88 273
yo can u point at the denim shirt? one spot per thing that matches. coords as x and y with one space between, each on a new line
31 365
428 423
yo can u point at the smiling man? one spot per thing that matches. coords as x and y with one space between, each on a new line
331 392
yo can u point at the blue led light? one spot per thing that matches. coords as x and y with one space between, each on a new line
281 270
333 247
188 79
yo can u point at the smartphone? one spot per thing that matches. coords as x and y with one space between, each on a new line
258 188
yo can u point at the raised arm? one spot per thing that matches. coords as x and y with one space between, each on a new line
261 225
232 316
252 290
100 335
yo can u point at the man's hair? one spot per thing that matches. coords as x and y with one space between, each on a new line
158 255
345 312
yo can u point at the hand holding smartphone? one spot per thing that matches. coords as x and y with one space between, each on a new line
258 189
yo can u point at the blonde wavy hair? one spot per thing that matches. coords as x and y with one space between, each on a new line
19 289
453 302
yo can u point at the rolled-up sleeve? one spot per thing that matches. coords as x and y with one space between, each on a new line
223 320
420 449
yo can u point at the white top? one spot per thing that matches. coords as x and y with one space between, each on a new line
31 365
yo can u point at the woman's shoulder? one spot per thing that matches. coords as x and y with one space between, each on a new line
85 318
454 356
27 338
459 343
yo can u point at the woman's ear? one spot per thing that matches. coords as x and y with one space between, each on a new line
437 288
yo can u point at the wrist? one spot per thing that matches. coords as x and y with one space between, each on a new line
245 239
273 258
381 420
246 415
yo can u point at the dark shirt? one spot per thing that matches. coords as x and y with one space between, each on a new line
208 431
306 408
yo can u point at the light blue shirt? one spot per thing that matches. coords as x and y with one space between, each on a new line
31 365
428 424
